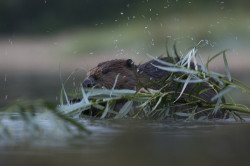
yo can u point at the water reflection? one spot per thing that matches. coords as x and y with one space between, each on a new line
139 142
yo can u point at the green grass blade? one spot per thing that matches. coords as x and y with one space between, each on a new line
176 51
85 98
176 69
65 94
116 79
223 92
203 68
183 88
105 112
213 57
124 110
227 67
158 102
160 61
192 81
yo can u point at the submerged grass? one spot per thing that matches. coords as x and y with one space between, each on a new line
159 104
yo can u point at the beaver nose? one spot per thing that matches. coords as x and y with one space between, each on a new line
88 82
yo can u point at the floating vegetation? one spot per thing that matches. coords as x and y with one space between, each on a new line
37 119
165 102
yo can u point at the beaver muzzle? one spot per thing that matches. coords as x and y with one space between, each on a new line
88 82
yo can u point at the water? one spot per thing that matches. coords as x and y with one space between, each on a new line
136 142
119 142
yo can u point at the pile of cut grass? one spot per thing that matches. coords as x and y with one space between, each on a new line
157 104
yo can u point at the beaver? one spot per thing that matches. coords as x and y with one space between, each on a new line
128 75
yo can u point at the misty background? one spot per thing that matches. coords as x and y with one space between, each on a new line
43 41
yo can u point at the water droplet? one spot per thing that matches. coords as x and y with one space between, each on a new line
10 41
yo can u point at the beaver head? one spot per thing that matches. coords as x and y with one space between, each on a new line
105 74
129 75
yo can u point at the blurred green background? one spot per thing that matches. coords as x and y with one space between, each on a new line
139 26
38 36
49 16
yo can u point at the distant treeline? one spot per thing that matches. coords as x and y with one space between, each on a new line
41 16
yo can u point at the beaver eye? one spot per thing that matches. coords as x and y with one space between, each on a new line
94 77
105 71
130 63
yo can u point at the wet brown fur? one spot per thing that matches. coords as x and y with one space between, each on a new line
106 72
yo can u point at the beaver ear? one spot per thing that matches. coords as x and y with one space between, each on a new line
129 63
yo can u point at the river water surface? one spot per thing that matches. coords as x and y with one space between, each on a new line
133 142
119 142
